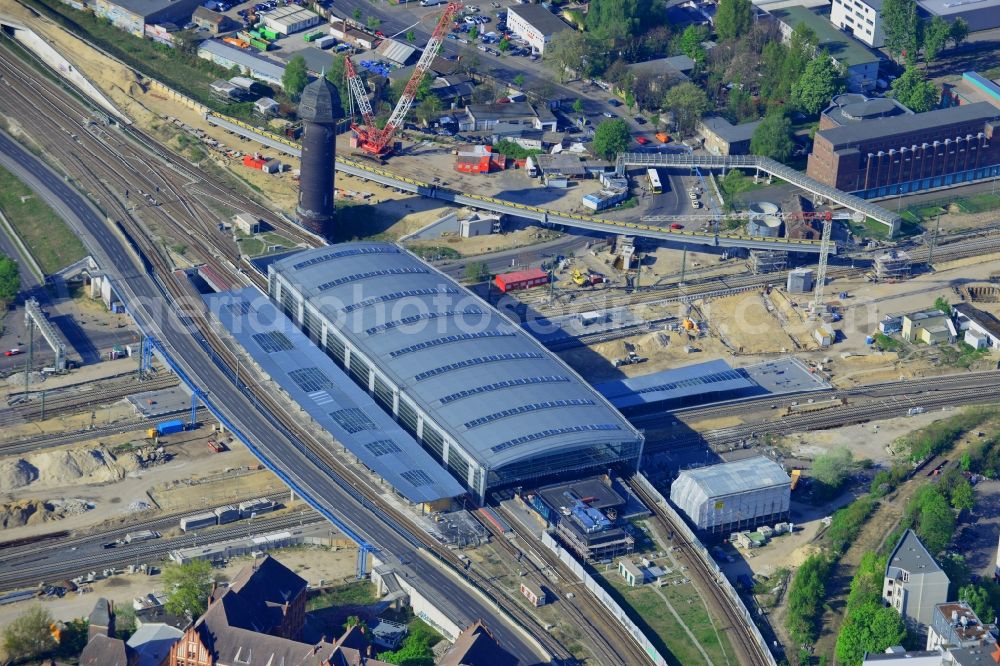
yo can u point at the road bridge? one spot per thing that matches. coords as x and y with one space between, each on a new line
769 166
545 216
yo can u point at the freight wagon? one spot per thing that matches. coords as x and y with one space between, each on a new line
199 520
141 535
256 507
227 514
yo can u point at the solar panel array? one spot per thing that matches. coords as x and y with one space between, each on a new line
479 360
524 409
511 443
726 376
461 337
272 341
370 274
425 316
417 477
396 295
353 420
353 252
238 309
310 380
507 383
382 447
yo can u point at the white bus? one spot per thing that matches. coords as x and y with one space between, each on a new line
654 181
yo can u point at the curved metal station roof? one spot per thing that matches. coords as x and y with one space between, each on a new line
498 392
329 396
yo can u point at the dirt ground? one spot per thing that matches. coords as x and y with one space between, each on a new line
315 564
478 245
194 478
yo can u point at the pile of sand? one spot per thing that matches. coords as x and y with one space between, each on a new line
60 468
35 512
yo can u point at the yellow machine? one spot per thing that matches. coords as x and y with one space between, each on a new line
579 278
151 433
796 473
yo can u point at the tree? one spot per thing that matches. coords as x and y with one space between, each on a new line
473 33
966 462
978 597
690 42
959 31
914 91
428 109
619 20
832 468
295 77
73 638
733 18
821 80
10 280
688 103
611 137
571 51
935 520
476 271
806 595
629 99
411 36
941 303
962 496
504 45
188 586
773 137
29 637
937 32
356 14
578 105
902 27
336 74
125 621
519 80
870 628
373 22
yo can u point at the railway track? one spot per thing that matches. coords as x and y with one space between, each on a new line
152 551
750 650
98 394
611 643
205 243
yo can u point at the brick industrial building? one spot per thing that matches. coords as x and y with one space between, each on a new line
907 153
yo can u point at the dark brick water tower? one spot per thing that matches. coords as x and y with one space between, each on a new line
319 109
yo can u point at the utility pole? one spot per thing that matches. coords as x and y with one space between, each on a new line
684 258
933 242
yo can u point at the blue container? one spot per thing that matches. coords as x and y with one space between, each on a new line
170 427
869 340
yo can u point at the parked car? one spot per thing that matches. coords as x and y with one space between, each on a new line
608 114
640 120
614 102
641 140
12 352
676 226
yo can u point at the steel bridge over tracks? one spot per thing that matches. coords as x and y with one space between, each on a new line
769 166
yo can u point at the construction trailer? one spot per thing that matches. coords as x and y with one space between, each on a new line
767 261
531 277
893 265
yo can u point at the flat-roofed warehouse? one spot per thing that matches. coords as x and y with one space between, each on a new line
482 396
732 496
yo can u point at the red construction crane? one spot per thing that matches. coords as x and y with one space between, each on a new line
371 139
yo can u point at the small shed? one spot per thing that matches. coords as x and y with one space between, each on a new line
824 336
247 223
533 593
633 574
265 106
396 52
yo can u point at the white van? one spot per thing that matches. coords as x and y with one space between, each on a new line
431 3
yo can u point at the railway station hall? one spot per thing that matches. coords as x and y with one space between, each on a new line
473 390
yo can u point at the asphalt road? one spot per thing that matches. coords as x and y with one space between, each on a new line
156 315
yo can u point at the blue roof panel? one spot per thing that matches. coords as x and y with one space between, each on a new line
329 396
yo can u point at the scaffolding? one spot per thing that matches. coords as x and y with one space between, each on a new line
891 266
767 261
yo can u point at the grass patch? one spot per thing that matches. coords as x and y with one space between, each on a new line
939 436
961 355
417 648
736 182
359 593
979 203
872 228
885 343
435 252
46 236
631 202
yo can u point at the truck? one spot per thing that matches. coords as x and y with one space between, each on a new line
326 42
199 520
166 428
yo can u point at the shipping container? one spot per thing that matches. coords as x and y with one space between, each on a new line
198 520
256 506
260 44
169 427
525 279
227 514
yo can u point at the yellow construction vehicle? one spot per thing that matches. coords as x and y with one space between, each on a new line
796 473
579 278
